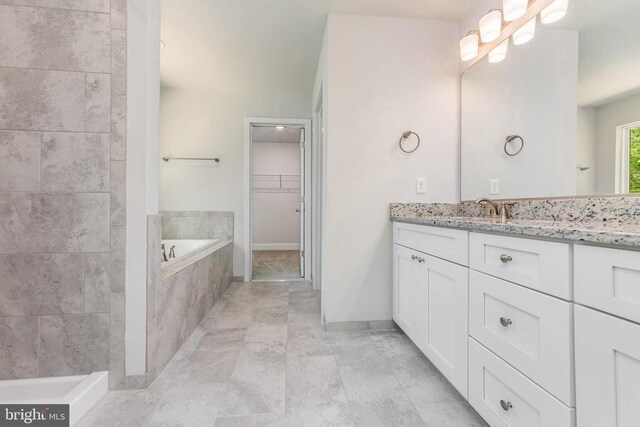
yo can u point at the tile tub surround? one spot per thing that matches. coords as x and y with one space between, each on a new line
62 188
182 300
261 357
605 221
197 225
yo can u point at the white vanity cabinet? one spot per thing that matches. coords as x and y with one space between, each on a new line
430 299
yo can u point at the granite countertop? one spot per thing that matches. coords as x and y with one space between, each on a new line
601 233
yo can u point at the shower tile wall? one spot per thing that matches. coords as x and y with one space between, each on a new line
197 225
62 187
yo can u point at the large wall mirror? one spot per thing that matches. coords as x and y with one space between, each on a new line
572 94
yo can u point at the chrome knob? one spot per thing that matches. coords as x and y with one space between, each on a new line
505 258
506 405
505 321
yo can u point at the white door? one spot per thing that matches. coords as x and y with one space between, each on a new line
430 305
607 370
302 205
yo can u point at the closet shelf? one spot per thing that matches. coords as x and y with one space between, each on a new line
275 183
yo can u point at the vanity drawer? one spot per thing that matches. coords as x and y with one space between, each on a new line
543 266
445 243
505 397
530 330
609 280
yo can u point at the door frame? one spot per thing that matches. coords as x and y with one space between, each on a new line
622 157
249 122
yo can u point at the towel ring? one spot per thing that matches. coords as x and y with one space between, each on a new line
512 138
406 135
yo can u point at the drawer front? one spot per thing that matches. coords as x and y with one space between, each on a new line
505 397
445 243
608 279
608 366
543 266
530 330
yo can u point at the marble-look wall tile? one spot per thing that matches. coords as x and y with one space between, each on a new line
116 341
118 62
54 39
169 227
75 162
97 103
97 287
197 225
154 238
19 161
73 344
41 100
118 256
54 222
87 5
18 347
118 127
118 193
41 284
119 14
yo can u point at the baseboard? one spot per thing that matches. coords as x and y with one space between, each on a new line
275 246
370 325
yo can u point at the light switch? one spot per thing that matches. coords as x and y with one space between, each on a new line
421 185
494 186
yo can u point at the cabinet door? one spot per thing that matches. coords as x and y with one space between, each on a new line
430 305
607 370
409 293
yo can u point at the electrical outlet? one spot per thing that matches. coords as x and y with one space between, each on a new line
421 185
494 186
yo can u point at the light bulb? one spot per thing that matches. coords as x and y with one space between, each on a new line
469 46
514 9
499 52
490 26
554 12
525 33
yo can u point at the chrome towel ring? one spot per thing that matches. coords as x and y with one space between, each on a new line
512 138
406 135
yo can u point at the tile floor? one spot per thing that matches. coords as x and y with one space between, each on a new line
261 358
276 265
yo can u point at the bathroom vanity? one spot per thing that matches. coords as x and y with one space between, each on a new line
535 323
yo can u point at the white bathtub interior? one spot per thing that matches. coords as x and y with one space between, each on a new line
186 247
80 392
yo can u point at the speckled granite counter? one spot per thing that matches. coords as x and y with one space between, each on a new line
602 221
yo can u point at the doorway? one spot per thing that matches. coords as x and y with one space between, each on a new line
277 239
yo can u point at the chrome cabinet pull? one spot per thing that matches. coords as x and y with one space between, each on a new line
417 258
505 321
506 258
506 405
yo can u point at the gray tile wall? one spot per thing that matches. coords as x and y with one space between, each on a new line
181 302
197 225
62 187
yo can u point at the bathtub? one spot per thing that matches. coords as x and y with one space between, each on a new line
80 392
187 252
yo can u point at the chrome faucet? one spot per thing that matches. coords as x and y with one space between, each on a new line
492 210
172 252
164 254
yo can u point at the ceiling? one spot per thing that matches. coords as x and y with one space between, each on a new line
269 46
273 134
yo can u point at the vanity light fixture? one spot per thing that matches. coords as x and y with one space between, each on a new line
491 26
514 9
499 53
525 33
469 46
554 12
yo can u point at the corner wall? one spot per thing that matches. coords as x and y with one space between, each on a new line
384 76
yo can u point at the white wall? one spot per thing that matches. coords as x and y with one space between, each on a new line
609 117
383 77
276 224
532 93
206 124
586 151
